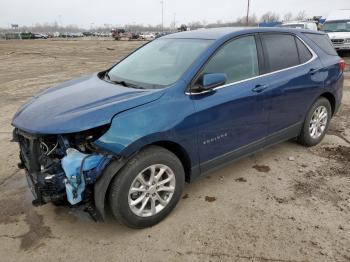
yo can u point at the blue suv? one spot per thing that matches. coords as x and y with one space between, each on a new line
172 111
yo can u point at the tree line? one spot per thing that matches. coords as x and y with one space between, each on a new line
253 20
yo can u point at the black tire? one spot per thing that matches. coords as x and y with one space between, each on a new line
119 189
60 202
305 137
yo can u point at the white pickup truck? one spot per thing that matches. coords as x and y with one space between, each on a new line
337 26
311 25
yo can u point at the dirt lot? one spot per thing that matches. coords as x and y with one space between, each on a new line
287 203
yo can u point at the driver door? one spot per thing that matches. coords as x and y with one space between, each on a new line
232 119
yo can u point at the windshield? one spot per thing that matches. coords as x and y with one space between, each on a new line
159 63
298 26
337 26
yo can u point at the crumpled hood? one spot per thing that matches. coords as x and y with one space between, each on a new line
78 105
338 35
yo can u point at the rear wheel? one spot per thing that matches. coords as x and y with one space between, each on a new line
316 123
146 190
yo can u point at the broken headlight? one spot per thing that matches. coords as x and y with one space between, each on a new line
83 141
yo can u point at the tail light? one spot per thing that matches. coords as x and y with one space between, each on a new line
342 65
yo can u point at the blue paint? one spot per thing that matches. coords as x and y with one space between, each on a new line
78 105
139 117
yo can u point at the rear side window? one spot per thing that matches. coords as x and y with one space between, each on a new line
323 42
238 59
304 53
280 51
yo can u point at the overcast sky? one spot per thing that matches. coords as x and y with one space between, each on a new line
87 13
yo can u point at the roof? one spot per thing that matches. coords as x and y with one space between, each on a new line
216 33
341 14
298 22
204 33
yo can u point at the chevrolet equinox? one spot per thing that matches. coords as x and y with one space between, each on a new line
172 111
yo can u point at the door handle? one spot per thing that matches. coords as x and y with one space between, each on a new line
259 88
313 71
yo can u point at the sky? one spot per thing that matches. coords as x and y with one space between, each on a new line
92 13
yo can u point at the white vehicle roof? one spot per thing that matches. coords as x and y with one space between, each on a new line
297 22
341 14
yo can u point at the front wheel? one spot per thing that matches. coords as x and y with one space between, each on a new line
316 123
147 189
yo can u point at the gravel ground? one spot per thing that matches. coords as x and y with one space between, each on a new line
287 203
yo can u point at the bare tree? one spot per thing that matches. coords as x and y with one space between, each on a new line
270 17
301 15
287 17
204 22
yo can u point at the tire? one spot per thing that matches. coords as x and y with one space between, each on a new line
139 168
307 136
60 202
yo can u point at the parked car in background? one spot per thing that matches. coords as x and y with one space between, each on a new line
135 36
71 35
147 36
172 111
337 26
160 34
39 36
311 25
121 34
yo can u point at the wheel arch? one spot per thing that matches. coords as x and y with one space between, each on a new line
102 185
180 152
331 98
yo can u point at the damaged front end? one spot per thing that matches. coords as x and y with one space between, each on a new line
63 168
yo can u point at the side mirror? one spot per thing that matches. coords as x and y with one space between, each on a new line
209 81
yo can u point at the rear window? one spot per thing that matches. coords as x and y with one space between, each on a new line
323 42
304 53
281 51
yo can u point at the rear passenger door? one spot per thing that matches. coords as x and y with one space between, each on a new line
292 73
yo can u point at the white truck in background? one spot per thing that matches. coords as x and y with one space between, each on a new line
311 25
337 26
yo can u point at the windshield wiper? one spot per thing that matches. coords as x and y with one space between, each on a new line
126 84
107 76
123 83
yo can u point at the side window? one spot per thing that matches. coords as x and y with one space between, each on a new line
304 53
323 42
238 60
280 51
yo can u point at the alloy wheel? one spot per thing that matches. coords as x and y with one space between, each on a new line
151 190
318 122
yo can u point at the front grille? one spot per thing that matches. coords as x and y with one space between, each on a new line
29 152
338 41
38 167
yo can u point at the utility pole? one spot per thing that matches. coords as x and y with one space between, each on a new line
247 22
162 3
60 19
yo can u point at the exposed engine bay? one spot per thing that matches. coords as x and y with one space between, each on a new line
62 168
